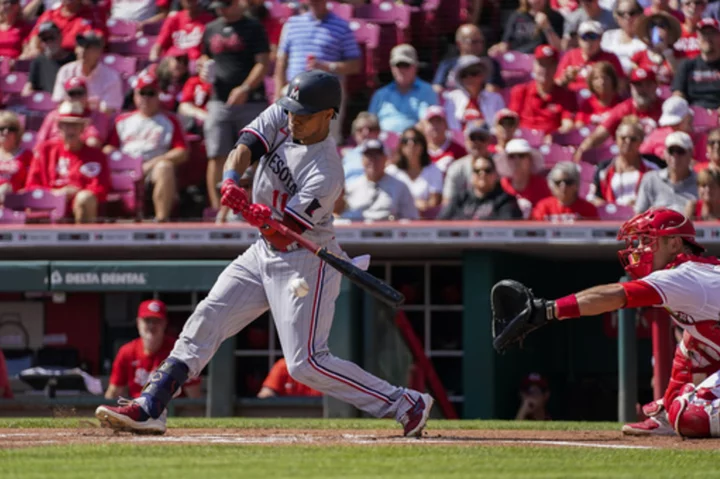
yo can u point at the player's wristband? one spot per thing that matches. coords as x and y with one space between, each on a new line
231 175
567 307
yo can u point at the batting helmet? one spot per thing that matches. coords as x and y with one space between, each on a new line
311 92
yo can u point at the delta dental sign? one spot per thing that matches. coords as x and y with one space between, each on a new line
92 278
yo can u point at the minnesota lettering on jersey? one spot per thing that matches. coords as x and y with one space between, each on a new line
278 166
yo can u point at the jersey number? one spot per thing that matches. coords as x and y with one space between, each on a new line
283 200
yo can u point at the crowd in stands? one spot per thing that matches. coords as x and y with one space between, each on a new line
547 110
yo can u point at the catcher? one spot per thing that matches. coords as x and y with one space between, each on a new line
664 261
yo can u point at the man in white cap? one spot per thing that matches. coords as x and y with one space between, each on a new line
402 103
674 186
589 10
443 150
525 183
459 173
676 116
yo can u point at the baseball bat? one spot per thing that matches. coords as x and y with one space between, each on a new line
378 288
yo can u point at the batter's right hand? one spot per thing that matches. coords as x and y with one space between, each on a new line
257 215
233 196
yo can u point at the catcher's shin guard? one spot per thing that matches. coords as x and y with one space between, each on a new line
163 384
692 414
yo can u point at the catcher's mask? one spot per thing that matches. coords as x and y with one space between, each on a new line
642 232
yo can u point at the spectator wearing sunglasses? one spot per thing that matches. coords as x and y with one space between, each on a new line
589 10
672 187
413 166
72 17
565 204
157 137
14 158
676 116
97 129
525 181
622 41
504 128
659 33
484 200
459 173
575 65
533 24
688 45
707 206
617 180
365 126
712 152
603 84
441 146
45 66
698 79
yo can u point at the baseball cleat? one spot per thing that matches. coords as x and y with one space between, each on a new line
652 426
130 417
416 417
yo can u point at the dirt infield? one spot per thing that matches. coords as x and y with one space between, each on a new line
89 433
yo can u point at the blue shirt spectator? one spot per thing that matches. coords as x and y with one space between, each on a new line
364 127
403 102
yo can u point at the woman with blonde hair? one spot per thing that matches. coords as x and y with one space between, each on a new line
533 24
707 206
14 159
622 41
603 83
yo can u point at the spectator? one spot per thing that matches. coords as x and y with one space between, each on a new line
676 116
534 396
441 146
376 195
45 66
459 173
279 383
470 99
659 55
617 180
565 204
590 10
5 391
104 84
97 129
712 150
672 187
485 200
136 360
182 32
707 206
401 104
575 65
688 46
603 84
622 41
273 27
193 101
505 127
643 103
143 12
364 127
14 159
663 6
525 183
486 15
172 73
239 49
157 137
317 40
68 167
698 79
14 30
540 103
413 166
72 17
533 24
469 40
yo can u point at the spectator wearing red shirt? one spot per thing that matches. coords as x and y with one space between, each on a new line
67 166
676 116
14 159
273 28
182 32
712 152
659 33
72 17
565 204
663 6
644 103
540 103
442 149
575 65
5 391
157 137
194 98
688 45
279 383
603 84
136 360
14 31
97 129
528 187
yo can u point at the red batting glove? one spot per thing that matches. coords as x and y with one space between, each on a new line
257 215
234 197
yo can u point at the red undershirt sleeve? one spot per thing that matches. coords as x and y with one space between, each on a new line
641 294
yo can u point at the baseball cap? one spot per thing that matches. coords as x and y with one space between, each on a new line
674 109
372 144
434 111
220 4
48 29
75 83
403 53
708 23
518 146
506 113
152 308
92 37
590 26
680 139
546 52
146 79
72 112
534 379
640 75
476 126
467 61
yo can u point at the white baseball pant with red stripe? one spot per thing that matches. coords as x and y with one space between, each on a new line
259 280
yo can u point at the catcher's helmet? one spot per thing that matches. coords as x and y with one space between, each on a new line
311 92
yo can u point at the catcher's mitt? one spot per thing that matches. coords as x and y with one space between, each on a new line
516 312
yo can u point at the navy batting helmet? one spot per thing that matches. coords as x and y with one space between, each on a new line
311 92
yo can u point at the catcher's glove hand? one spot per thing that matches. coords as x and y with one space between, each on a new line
516 312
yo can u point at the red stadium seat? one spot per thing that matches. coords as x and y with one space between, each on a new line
515 67
600 154
13 82
587 173
394 23
390 139
42 204
21 66
127 194
11 217
554 154
137 47
122 29
281 11
664 92
534 137
704 119
571 138
29 140
152 29
368 37
342 10
125 66
39 101
613 212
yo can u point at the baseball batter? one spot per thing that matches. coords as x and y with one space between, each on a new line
299 177
663 258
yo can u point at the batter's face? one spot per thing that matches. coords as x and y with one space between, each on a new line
310 128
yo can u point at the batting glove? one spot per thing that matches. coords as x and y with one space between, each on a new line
234 197
257 215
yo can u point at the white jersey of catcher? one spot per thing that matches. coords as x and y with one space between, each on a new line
301 181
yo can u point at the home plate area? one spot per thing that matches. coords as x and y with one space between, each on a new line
14 438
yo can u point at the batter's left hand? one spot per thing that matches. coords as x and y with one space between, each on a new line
233 197
257 215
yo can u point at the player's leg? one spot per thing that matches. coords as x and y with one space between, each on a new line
696 411
303 326
656 424
236 299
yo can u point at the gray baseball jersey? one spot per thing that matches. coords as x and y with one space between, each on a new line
304 182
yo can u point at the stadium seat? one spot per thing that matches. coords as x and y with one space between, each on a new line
127 188
390 139
664 92
269 84
121 29
599 154
40 101
125 66
21 66
704 119
571 138
613 212
368 37
34 121
42 204
554 154
152 29
29 139
281 11
394 23
587 173
11 217
515 67
13 82
342 10
534 137
136 47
